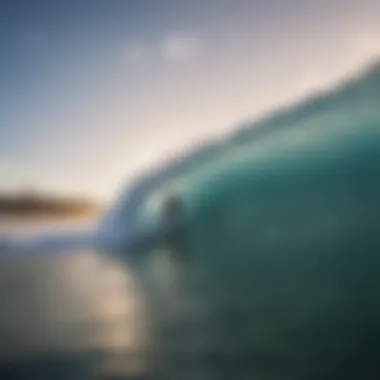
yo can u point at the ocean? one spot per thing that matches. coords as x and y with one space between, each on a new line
65 317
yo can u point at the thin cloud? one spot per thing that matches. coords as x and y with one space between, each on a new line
177 47
170 47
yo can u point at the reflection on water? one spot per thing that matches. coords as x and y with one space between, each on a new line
279 314
80 305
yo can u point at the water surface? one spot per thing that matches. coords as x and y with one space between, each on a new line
71 313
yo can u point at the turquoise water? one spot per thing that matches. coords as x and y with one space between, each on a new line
281 256
275 277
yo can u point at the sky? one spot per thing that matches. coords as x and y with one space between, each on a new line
94 91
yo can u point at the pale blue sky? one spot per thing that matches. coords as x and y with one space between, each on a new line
94 90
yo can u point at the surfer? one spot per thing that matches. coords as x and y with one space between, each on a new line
173 223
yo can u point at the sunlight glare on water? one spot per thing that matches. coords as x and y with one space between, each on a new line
67 303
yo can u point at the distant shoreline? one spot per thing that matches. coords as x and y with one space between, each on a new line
47 207
47 216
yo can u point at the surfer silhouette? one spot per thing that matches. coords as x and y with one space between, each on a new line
173 223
